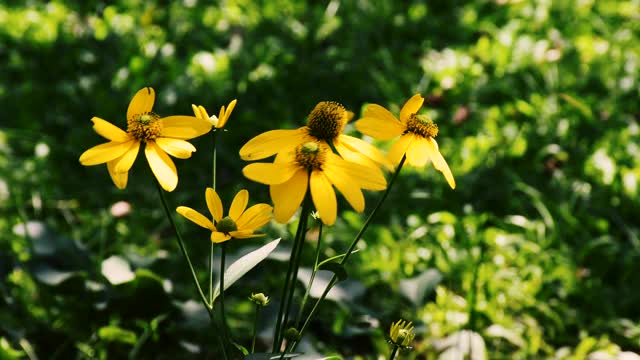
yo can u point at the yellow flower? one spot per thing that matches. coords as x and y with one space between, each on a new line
312 165
401 334
240 223
161 136
324 124
417 135
219 121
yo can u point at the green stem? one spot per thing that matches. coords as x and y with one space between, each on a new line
306 210
313 276
393 352
255 329
225 334
183 249
214 171
334 278
288 282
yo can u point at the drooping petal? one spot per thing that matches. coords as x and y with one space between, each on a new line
102 153
214 204
271 142
324 198
365 148
254 217
411 107
109 131
125 162
288 196
141 103
399 148
270 173
440 163
379 112
347 187
184 127
175 147
244 234
239 204
195 217
365 177
225 113
418 153
119 179
379 129
162 166
218 237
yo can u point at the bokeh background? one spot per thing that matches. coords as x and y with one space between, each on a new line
535 254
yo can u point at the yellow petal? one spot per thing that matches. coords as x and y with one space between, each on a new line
195 217
176 147
102 153
224 114
239 204
162 166
365 177
214 204
399 148
379 112
109 131
254 217
324 198
439 162
364 148
218 237
411 107
141 103
380 129
200 112
244 234
288 196
125 162
119 179
272 142
184 127
346 186
270 174
418 152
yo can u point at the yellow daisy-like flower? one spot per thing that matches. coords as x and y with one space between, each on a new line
161 136
324 124
401 334
240 223
219 121
417 135
312 165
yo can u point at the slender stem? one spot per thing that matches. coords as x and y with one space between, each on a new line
223 255
393 352
302 229
288 282
334 278
214 176
255 329
313 276
183 249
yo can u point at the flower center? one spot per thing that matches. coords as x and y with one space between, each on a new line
226 225
422 125
327 120
145 127
310 156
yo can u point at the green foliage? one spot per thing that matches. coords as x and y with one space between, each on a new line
534 255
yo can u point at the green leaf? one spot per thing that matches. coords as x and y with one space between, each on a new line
336 268
242 266
113 333
335 258
584 109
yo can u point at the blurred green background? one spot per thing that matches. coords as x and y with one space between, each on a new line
532 256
